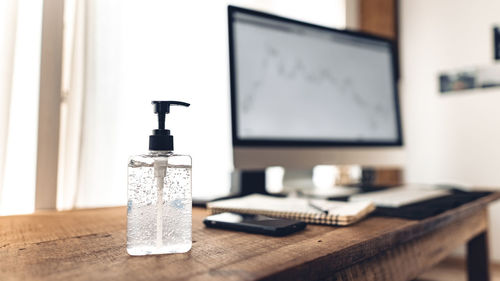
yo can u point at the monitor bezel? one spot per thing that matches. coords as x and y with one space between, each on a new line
238 142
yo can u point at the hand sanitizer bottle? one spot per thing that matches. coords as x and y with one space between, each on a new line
159 208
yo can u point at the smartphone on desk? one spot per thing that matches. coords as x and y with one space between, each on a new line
254 224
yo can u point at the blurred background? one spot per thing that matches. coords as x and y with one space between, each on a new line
117 56
69 148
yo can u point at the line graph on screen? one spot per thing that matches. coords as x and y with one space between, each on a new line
308 80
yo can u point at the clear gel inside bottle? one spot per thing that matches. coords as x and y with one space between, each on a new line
159 213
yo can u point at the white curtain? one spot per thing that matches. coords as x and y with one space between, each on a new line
73 89
122 55
20 34
8 10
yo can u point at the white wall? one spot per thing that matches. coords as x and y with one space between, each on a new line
148 50
453 138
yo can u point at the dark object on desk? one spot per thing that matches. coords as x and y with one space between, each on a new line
244 182
496 42
254 224
380 177
429 208
370 187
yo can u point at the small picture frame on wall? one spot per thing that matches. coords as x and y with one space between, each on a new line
462 80
480 77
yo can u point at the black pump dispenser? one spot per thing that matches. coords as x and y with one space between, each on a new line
161 139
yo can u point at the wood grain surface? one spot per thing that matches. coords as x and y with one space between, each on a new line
90 244
409 260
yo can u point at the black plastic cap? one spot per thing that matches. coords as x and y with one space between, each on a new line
161 138
161 142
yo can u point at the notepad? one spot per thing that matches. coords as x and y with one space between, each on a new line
339 213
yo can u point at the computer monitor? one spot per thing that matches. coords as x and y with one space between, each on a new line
304 95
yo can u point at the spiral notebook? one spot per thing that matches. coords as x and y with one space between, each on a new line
307 210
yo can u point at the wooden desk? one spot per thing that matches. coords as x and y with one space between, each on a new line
90 245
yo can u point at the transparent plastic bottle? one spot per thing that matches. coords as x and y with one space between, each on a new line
159 207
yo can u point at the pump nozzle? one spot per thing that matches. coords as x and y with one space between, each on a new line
161 138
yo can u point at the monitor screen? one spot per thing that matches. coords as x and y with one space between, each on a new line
294 83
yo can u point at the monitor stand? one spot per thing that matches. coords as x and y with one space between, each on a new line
243 182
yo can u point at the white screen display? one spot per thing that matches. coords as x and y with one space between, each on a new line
299 83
